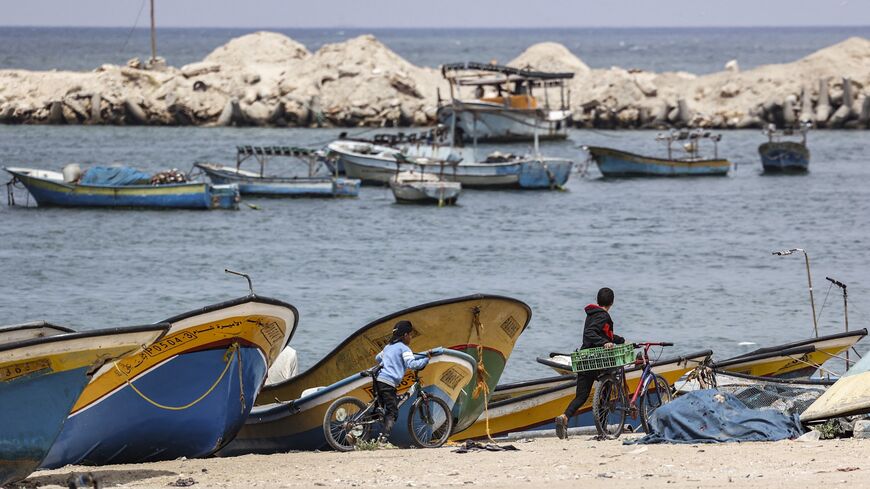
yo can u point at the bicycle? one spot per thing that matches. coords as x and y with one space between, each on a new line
610 404
349 420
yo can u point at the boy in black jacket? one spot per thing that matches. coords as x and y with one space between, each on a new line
598 331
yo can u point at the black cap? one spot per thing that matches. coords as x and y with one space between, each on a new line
401 329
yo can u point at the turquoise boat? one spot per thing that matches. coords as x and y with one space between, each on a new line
42 376
617 163
305 175
50 188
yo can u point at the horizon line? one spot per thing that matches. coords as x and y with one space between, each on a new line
675 27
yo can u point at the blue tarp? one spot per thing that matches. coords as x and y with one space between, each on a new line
710 416
114 175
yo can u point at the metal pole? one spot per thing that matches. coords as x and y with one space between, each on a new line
153 36
812 299
842 286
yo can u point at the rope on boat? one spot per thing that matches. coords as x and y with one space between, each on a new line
482 387
228 356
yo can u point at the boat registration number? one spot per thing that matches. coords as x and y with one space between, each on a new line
16 370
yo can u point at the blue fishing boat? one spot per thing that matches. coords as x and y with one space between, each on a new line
120 187
617 163
780 156
184 396
313 181
301 420
40 379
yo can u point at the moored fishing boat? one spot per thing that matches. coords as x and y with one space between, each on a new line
789 360
314 181
50 188
780 156
376 164
40 379
184 396
504 107
424 188
533 404
617 163
447 373
486 327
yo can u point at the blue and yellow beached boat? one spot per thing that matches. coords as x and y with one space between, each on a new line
49 188
617 163
533 404
445 377
486 327
184 396
41 376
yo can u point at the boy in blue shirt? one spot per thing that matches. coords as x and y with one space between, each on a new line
396 358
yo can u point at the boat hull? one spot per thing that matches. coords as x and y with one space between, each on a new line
784 157
533 405
532 173
615 163
40 380
494 123
52 193
283 187
299 425
439 193
184 396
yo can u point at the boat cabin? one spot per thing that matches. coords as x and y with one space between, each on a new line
512 88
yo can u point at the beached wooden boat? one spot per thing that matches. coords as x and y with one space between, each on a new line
184 396
789 360
301 419
40 379
376 165
533 404
305 175
511 112
49 188
485 327
849 396
617 163
780 156
424 188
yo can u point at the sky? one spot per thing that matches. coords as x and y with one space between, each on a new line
439 13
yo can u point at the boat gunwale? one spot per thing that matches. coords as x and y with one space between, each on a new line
794 344
77 335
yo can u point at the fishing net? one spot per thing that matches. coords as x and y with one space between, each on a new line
786 396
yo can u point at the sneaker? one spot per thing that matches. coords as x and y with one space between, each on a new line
561 427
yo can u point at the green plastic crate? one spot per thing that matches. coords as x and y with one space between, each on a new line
602 358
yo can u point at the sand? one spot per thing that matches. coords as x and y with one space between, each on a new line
578 462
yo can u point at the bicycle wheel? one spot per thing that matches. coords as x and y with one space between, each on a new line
658 394
429 422
609 407
344 423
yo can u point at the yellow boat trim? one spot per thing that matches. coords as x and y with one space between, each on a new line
266 332
60 362
132 190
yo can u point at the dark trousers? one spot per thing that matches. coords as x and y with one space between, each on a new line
389 400
584 388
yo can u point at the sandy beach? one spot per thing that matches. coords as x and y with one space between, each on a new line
580 461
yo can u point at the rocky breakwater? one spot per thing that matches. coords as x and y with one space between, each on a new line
257 79
829 88
269 79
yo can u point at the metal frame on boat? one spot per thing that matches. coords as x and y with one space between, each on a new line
512 112
314 183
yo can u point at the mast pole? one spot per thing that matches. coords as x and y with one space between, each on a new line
153 36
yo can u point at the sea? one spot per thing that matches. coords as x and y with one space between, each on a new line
690 260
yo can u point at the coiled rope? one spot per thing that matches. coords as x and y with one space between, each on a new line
228 356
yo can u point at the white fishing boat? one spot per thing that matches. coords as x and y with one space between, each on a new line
376 164
424 188
504 107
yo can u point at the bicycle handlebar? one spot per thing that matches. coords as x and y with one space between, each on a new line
647 343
